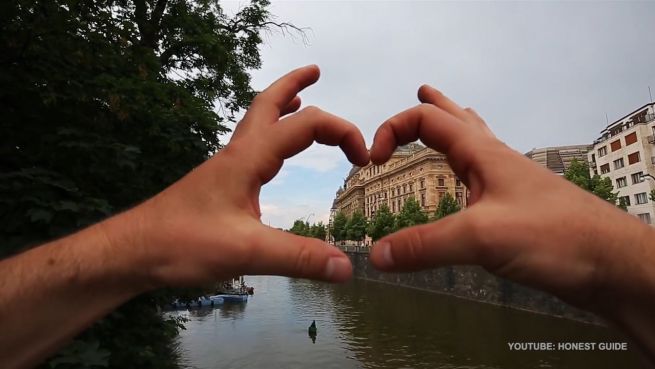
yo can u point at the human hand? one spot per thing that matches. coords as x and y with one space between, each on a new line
207 227
524 222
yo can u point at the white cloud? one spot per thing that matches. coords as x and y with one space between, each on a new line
282 213
320 158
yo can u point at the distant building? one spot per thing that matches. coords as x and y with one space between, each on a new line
624 153
558 158
412 171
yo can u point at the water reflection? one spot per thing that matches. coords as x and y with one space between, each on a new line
370 325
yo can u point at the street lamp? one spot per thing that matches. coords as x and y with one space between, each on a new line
643 176
307 218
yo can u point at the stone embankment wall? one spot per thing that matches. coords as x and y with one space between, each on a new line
473 283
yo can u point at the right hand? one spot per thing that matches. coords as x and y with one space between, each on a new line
523 223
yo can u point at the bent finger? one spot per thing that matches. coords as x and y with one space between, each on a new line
292 107
435 127
430 95
297 132
270 104
282 253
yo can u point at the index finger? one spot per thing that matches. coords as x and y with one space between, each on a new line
268 105
435 127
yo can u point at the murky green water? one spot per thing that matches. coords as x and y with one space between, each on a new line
371 325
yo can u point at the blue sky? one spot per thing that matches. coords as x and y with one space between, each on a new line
540 73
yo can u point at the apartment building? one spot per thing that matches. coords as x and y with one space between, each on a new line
625 153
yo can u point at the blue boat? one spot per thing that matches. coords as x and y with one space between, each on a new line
234 297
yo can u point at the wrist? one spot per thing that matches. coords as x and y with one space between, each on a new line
125 250
626 273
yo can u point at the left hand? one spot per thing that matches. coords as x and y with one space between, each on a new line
207 227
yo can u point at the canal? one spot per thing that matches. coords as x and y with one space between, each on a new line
371 325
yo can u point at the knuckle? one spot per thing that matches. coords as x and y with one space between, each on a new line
312 110
415 246
304 259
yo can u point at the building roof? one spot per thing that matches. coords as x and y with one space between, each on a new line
558 158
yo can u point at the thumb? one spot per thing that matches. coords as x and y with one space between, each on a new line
276 252
447 241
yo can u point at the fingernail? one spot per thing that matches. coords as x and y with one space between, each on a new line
336 267
385 251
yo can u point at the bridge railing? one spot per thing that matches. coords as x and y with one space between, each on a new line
358 249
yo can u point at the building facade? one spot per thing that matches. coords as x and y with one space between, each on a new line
558 158
412 171
625 153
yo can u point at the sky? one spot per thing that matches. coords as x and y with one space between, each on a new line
540 74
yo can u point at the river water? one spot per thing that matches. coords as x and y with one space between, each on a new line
371 325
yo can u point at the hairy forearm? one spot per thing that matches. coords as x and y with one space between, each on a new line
51 293
628 294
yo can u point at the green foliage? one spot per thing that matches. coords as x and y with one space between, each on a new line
382 223
447 205
105 104
651 195
300 228
356 227
410 215
338 230
316 230
578 173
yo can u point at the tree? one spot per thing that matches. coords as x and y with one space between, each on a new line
300 227
356 227
447 205
318 230
410 215
105 104
651 195
338 230
382 223
578 173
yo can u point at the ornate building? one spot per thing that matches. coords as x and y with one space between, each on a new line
412 171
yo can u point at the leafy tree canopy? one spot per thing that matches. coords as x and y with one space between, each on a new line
382 223
356 227
105 103
410 215
578 173
447 205
338 230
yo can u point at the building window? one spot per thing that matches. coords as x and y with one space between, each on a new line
602 151
423 200
624 200
634 158
458 197
645 217
458 183
422 182
631 138
404 188
621 182
615 145
605 168
637 177
618 163
641 198
411 187
393 206
441 182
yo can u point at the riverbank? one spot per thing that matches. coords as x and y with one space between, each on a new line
471 283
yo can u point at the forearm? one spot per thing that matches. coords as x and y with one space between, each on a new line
51 293
628 296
